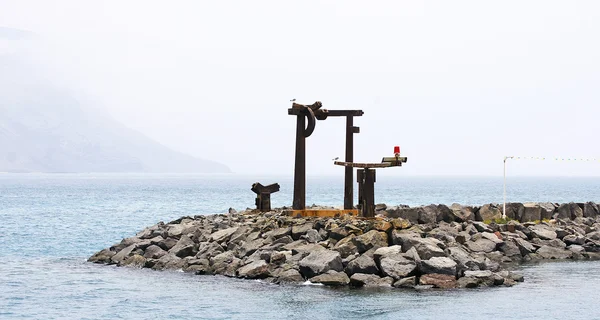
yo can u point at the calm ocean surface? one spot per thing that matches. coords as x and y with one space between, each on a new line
50 224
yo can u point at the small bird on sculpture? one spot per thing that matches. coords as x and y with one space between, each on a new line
293 100
336 159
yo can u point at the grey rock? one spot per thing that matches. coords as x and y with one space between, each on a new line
548 252
462 213
441 265
312 236
397 267
383 252
134 261
590 210
428 214
300 230
362 264
123 254
481 245
331 278
290 276
184 247
320 262
463 260
209 249
103 256
255 270
408 282
278 233
532 212
370 240
548 209
509 249
154 252
543 232
481 226
468 282
169 261
488 212
223 235
346 247
524 246
370 280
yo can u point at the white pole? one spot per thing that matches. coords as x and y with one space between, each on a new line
504 206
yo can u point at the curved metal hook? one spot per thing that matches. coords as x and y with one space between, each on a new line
310 116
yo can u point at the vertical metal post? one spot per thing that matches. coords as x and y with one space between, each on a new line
349 174
300 166
369 193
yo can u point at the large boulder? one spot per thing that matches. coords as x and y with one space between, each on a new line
346 247
524 246
223 235
463 260
363 264
320 262
169 261
278 233
488 212
531 212
123 254
514 210
331 278
255 270
543 232
300 230
481 245
441 265
397 267
568 211
371 239
429 214
289 276
103 256
548 252
590 210
462 213
426 247
184 247
383 252
410 214
370 280
548 209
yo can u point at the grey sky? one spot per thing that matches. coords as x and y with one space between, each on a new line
458 84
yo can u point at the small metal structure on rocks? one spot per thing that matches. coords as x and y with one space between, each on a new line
263 195
306 116
366 180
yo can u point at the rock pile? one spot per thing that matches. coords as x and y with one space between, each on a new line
431 246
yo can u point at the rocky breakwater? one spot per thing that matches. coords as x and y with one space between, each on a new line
423 247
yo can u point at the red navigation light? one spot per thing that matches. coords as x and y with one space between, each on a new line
397 150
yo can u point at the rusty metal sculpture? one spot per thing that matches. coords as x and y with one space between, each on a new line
311 113
263 195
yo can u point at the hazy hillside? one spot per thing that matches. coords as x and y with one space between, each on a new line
44 129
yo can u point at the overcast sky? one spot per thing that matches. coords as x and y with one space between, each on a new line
457 84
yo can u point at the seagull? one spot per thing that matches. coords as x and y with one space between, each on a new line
335 159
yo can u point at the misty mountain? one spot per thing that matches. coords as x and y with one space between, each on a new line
45 129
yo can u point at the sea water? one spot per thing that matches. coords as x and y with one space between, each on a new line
51 223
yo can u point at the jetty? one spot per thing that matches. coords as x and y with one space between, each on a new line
434 246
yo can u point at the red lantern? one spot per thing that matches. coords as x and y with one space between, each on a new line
397 150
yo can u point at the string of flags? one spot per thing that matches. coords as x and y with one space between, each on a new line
553 158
